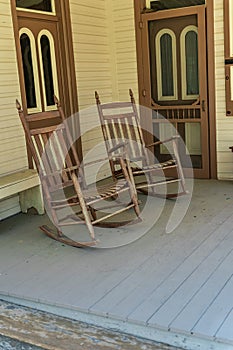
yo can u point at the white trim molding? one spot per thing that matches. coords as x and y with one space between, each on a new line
53 63
158 37
30 35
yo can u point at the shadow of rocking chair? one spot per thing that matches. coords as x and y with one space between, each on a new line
121 125
68 200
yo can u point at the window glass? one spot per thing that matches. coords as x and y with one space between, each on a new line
38 5
28 71
47 70
191 54
167 65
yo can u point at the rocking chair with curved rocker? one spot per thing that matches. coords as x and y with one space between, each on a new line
120 121
63 184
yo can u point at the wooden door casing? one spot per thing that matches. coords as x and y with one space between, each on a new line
193 111
60 24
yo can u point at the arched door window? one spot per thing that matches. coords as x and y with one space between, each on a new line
48 68
165 42
30 70
189 63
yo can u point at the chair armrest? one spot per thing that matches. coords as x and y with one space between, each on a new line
176 137
119 145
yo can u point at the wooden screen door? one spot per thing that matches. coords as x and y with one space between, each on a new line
175 81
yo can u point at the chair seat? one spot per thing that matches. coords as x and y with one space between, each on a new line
157 166
104 191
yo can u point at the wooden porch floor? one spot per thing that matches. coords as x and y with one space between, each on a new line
175 288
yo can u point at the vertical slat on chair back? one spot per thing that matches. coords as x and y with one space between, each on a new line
51 146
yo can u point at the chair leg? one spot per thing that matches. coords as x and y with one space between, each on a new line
179 167
83 206
132 188
93 213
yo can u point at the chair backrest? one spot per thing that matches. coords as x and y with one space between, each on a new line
120 122
50 143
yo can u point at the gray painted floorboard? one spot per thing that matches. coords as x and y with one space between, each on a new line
180 281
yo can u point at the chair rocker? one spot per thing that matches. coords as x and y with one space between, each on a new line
120 125
68 200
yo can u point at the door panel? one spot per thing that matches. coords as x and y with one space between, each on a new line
175 80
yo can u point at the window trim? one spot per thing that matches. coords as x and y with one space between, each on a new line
53 13
54 67
185 31
174 97
28 32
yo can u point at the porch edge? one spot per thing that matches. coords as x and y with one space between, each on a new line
170 337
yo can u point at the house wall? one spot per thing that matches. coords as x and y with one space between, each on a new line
224 124
104 49
105 60
92 66
124 48
13 152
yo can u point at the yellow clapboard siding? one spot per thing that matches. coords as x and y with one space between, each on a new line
223 146
223 169
224 124
89 32
92 64
125 48
100 4
98 47
81 22
77 8
226 156
5 19
13 151
92 56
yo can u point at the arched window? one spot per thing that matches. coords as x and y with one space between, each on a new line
189 63
30 70
165 43
48 68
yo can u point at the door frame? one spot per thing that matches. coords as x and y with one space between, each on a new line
68 90
139 10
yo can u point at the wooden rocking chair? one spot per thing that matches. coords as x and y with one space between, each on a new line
120 121
63 182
